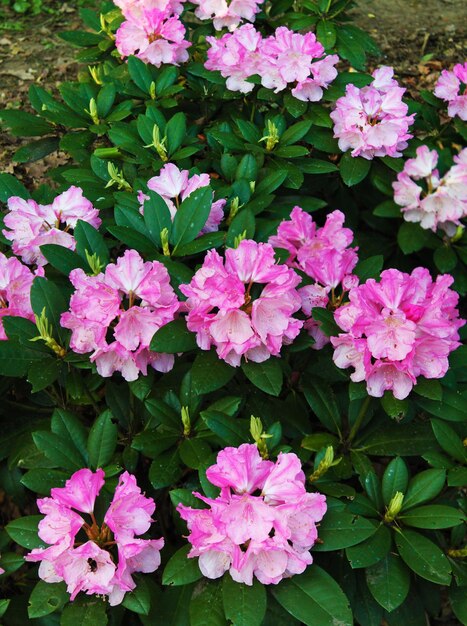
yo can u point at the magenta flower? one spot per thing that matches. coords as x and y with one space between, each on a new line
426 198
281 60
33 225
227 14
15 288
396 330
115 314
373 121
268 535
450 87
112 553
135 8
325 256
153 36
174 185
228 310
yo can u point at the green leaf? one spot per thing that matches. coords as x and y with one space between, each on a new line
58 450
175 131
165 470
267 376
388 582
350 46
369 268
23 124
174 337
411 439
244 221
204 242
41 480
63 259
210 373
449 440
295 132
430 389
46 295
395 478
181 570
291 152
10 186
43 373
314 598
424 557
152 443
194 452
139 600
16 359
445 259
388 209
411 237
206 604
102 440
432 516
36 150
326 33
353 169
321 399
156 216
370 551
458 599
3 607
80 38
423 487
191 216
294 106
47 598
227 428
23 531
139 73
244 605
326 321
69 427
88 238
340 529
88 613
317 166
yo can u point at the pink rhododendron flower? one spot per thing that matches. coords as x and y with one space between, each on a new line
451 87
281 60
373 121
268 534
135 8
226 310
32 225
98 308
324 255
396 330
153 35
426 198
15 288
227 14
174 185
96 566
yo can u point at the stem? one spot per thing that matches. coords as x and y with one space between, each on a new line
360 418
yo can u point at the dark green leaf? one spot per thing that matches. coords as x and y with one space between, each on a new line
194 452
46 598
370 551
36 150
206 604
63 259
449 440
88 613
321 399
58 450
23 531
88 238
191 216
424 557
353 169
432 516
395 478
267 376
102 440
227 428
389 582
173 337
244 605
210 373
10 186
423 487
139 600
180 570
156 216
340 529
46 295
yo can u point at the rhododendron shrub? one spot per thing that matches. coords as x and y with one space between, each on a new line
238 297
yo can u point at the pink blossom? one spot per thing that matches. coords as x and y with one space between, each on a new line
96 567
153 36
33 225
227 14
451 88
396 330
373 121
175 185
263 525
283 59
15 288
324 255
135 8
97 309
426 198
223 312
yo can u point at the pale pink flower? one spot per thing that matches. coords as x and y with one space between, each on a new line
97 309
95 567
223 311
175 185
373 121
32 225
396 330
152 36
262 526
135 8
450 87
426 198
227 14
325 255
15 289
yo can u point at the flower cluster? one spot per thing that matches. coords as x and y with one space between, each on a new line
245 306
32 225
451 87
403 327
174 185
268 535
15 290
373 121
433 201
324 255
282 59
152 31
88 557
106 319
227 14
